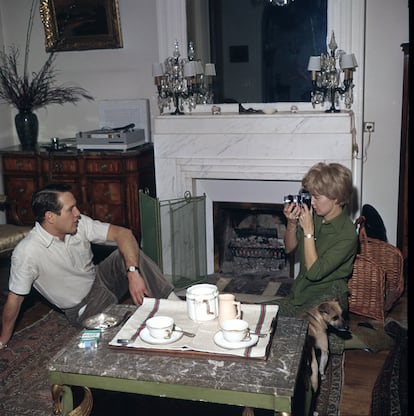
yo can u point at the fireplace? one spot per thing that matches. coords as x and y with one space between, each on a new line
246 158
249 239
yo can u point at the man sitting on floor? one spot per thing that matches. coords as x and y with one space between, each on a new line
57 260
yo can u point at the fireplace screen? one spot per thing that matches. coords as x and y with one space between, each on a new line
174 236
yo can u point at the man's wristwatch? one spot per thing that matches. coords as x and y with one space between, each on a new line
133 268
2 345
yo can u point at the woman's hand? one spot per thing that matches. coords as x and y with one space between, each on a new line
291 211
306 219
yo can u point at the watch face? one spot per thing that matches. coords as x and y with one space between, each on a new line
132 269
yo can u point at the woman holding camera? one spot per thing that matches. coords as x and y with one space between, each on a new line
324 237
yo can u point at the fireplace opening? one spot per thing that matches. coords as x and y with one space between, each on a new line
249 239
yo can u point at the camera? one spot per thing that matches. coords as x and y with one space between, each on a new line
301 198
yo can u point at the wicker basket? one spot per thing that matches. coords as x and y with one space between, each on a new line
367 289
378 279
390 259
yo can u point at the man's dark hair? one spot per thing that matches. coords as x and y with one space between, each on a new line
47 199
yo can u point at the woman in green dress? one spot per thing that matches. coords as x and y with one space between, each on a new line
323 236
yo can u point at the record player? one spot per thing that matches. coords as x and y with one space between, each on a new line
119 138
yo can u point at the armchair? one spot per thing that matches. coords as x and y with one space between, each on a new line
10 234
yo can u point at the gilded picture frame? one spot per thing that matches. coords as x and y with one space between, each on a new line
75 25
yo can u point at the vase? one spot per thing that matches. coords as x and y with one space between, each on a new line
27 127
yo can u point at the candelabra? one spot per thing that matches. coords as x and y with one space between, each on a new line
183 81
328 81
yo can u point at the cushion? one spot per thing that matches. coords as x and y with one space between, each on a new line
10 235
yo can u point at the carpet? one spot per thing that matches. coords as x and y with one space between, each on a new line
24 385
329 397
390 392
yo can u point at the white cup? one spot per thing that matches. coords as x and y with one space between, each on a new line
235 330
160 327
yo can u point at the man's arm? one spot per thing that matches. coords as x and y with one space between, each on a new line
128 246
10 312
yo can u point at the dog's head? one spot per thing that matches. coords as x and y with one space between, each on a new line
331 313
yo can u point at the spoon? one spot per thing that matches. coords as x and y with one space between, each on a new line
126 316
188 334
259 334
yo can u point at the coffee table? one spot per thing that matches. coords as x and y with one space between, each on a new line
275 384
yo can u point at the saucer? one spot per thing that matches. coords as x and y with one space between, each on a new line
146 337
221 342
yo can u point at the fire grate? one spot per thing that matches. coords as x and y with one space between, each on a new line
256 247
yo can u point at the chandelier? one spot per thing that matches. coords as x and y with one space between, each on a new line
330 82
183 82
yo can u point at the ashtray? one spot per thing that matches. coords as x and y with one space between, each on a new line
101 321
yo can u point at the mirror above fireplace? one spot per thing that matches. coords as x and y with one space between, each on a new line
260 50
345 18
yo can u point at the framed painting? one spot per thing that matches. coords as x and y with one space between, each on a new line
75 25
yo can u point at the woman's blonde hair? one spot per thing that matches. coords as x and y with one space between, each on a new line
332 180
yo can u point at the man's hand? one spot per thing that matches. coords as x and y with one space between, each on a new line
10 312
137 287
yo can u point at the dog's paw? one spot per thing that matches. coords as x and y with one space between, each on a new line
248 411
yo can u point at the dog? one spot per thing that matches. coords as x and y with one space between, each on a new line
320 318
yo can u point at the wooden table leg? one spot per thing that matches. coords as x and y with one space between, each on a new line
63 394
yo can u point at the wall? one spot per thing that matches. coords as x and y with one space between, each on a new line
106 73
386 30
126 73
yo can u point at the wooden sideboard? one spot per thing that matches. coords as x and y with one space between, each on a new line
104 183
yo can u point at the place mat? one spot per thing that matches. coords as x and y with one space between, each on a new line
261 318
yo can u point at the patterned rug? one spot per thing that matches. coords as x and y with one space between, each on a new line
25 388
252 289
328 400
390 392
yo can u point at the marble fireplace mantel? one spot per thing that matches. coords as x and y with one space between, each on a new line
200 151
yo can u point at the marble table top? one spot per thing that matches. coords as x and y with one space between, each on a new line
276 376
